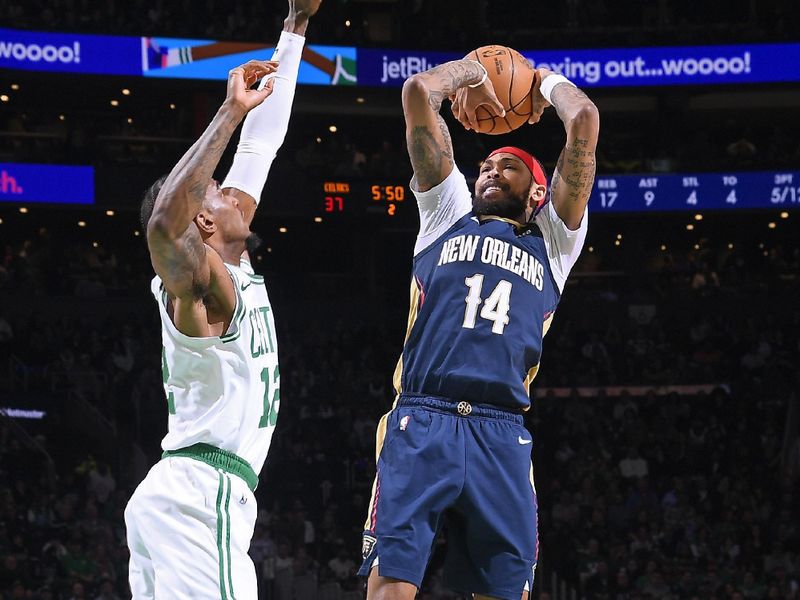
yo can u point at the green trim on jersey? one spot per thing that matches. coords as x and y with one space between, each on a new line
238 316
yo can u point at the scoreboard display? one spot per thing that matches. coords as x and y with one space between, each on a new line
611 193
381 198
699 191
393 201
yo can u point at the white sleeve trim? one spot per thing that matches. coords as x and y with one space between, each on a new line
563 244
440 207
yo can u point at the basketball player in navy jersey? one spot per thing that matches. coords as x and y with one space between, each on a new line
488 272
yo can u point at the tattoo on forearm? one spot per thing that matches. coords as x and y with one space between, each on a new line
576 165
556 179
565 95
428 156
179 260
203 157
445 79
576 168
447 149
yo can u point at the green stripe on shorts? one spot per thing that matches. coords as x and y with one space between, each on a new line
222 593
228 537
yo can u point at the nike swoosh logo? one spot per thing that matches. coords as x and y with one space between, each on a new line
523 441
244 287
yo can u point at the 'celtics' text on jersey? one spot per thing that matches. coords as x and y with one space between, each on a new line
224 391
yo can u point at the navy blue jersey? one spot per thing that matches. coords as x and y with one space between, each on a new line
483 291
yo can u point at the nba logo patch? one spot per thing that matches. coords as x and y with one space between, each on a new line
404 423
367 545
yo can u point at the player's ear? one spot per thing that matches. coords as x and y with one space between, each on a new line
537 194
205 223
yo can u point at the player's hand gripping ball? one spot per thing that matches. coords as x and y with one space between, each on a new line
512 78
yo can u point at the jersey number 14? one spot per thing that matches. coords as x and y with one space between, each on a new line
495 307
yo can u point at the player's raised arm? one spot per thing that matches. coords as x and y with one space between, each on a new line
429 145
176 245
573 176
265 127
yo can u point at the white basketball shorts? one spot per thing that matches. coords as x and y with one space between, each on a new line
189 528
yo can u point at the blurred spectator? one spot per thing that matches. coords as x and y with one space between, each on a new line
343 566
633 465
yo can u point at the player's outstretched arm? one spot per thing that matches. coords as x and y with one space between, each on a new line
176 247
300 11
265 128
573 177
429 145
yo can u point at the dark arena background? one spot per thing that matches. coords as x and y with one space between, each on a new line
665 416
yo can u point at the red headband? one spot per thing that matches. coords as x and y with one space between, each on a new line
533 166
530 162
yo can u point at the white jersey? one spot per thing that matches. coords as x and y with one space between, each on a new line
224 391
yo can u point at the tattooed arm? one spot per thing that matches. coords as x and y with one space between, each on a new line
177 250
427 136
574 174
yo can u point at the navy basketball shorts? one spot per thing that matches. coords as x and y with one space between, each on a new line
470 464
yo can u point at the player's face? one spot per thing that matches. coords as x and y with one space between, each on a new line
227 213
503 187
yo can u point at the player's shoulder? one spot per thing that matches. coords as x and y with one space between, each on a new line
454 184
462 226
243 278
246 266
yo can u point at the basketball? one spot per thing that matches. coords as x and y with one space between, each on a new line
512 77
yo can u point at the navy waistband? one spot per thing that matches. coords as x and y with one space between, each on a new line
463 408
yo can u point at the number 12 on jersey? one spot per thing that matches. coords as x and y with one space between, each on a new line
495 307
270 416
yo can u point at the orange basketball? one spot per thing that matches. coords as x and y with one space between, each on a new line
512 77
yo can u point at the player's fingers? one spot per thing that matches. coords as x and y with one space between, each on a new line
456 110
471 118
250 77
536 96
535 117
498 108
267 89
490 101
261 63
236 78
462 117
260 67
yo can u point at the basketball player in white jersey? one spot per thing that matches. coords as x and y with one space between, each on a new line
189 523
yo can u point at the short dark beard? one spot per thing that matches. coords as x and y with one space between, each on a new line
253 242
510 206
